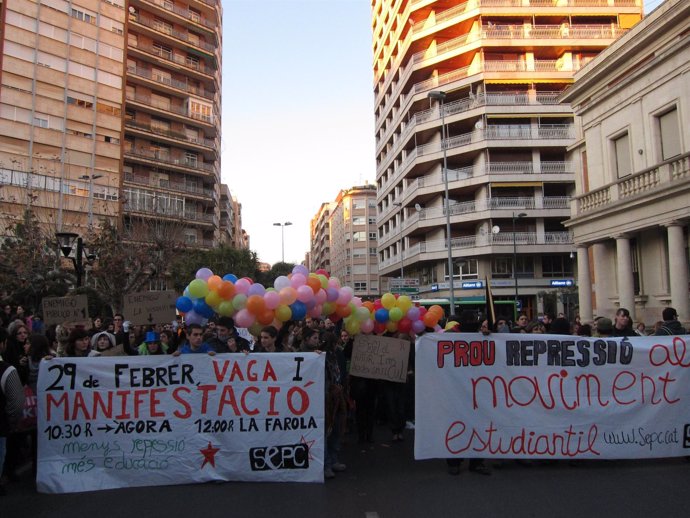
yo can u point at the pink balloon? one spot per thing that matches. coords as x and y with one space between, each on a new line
357 302
332 294
333 282
298 280
315 312
345 295
300 269
321 297
367 326
271 299
281 282
437 328
244 318
305 294
242 286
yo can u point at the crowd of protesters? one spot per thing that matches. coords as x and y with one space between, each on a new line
353 404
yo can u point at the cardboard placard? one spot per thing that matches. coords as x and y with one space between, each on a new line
150 307
380 357
58 310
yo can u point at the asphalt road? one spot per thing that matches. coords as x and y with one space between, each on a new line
383 480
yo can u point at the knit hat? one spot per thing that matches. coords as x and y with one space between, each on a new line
109 336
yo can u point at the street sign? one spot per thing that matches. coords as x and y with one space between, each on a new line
472 285
150 307
404 286
562 283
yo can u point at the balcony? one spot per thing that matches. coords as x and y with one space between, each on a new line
197 66
173 83
662 176
185 13
156 130
174 186
167 158
168 107
479 244
179 35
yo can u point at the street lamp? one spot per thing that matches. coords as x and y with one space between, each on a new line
515 216
66 241
90 179
282 235
400 237
440 97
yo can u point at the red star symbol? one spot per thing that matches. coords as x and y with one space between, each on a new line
309 445
209 454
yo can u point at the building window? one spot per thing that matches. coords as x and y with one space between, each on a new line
358 204
465 269
84 16
358 220
40 122
501 268
372 236
669 132
360 286
163 50
372 251
372 220
359 236
556 266
621 149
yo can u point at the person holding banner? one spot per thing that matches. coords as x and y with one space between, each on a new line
195 342
11 401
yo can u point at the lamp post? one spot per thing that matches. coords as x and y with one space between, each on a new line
66 241
440 97
90 179
515 216
400 238
282 236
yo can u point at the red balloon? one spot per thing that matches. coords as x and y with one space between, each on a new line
379 328
405 325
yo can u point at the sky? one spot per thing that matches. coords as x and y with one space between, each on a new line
298 123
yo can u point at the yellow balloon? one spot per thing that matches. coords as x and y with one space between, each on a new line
213 299
283 313
391 326
404 303
388 300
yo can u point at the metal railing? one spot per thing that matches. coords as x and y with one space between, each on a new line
150 128
167 158
174 83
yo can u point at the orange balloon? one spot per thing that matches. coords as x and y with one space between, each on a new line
343 311
214 282
314 283
430 319
437 310
256 305
266 318
370 306
226 290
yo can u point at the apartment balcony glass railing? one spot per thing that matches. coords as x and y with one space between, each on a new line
176 186
174 83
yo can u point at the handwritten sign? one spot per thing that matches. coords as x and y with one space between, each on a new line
145 421
58 310
380 357
543 396
150 307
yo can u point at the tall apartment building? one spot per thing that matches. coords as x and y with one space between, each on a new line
474 84
172 116
343 240
61 106
94 89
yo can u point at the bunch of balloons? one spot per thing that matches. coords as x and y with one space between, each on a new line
296 296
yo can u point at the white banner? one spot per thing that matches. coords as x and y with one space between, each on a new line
110 422
548 396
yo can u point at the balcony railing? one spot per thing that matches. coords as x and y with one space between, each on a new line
150 128
670 171
174 83
176 186
186 13
164 29
536 32
167 158
199 66
168 107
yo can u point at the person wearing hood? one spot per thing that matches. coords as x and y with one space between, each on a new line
103 344
152 345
